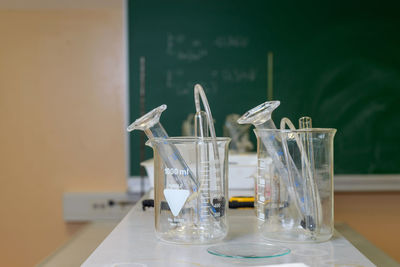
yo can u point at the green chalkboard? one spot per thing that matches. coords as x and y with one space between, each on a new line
336 61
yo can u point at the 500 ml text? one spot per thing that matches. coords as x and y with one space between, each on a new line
176 171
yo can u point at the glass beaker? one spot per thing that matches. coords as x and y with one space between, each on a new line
298 207
185 216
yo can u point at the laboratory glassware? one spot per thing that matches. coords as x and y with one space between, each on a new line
260 117
150 124
200 219
280 221
239 133
251 250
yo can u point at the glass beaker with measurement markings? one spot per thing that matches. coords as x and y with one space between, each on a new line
195 216
295 190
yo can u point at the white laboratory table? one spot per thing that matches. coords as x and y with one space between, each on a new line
133 243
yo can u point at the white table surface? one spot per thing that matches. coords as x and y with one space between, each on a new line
133 243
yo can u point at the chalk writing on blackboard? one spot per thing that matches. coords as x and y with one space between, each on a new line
232 41
188 49
235 75
178 79
185 49
186 87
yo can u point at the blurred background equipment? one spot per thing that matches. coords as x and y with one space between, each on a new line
239 133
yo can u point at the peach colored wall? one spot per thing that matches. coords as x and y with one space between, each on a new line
376 216
62 99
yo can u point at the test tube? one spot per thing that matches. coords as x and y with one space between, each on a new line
150 124
260 117
308 172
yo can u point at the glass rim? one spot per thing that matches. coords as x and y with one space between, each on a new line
187 139
306 130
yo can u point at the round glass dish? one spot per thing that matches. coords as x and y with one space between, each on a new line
248 250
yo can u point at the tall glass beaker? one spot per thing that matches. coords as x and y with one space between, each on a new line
299 206
185 216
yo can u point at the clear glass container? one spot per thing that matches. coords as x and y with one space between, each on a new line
294 184
190 202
